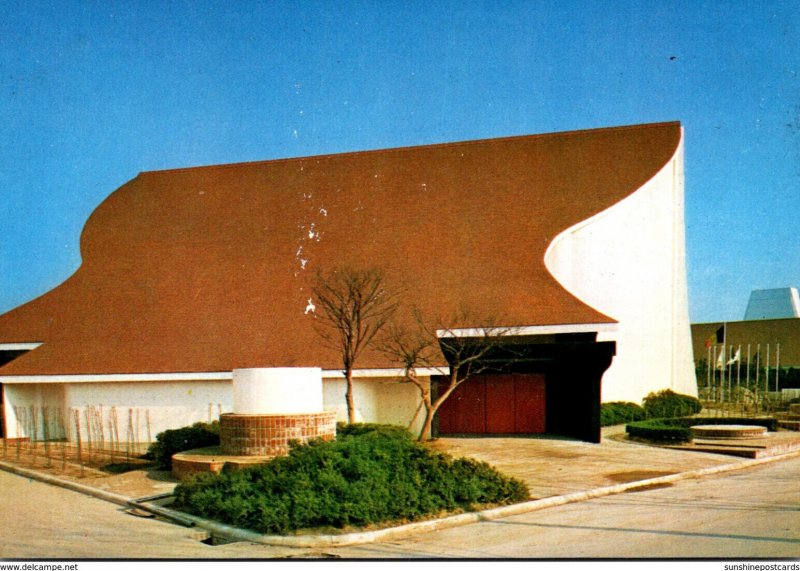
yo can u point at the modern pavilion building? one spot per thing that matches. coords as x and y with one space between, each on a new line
575 240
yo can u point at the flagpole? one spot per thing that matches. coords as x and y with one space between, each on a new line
726 383
708 373
738 367
777 367
758 365
748 366
714 386
766 381
724 362
729 365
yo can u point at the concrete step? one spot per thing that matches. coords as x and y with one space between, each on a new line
747 451
716 443
789 425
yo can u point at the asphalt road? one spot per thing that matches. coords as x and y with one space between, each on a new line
741 514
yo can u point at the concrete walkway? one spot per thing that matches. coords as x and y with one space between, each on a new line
553 466
743 514
556 470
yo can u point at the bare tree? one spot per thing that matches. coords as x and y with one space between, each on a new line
353 307
467 356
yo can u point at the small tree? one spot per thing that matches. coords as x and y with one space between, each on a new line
353 307
466 355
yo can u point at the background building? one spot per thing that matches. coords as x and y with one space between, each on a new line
773 304
768 339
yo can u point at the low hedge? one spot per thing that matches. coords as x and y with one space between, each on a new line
677 429
669 404
659 430
612 413
369 474
169 442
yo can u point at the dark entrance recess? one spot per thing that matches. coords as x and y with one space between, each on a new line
535 384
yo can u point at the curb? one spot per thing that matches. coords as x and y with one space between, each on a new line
99 494
236 534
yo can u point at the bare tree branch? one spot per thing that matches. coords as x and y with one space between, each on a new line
354 306
466 355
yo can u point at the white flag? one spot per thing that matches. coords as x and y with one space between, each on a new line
736 357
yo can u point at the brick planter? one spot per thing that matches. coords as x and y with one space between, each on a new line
269 434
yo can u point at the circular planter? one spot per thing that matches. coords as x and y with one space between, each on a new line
270 434
732 431
211 459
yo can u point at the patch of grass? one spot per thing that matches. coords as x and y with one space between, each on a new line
370 474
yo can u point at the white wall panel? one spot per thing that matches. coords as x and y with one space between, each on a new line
166 404
628 262
385 401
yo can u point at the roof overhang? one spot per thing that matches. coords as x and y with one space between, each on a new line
19 346
201 376
529 330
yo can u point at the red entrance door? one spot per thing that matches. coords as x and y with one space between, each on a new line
496 404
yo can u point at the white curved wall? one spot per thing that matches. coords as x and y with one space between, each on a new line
280 390
628 262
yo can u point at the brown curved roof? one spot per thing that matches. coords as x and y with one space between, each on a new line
199 269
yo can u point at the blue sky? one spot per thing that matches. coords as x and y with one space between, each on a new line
91 93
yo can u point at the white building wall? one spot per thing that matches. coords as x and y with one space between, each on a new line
384 400
172 404
24 410
628 262
157 404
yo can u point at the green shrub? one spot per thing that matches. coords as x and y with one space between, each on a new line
169 442
369 474
677 429
612 413
659 430
668 404
344 430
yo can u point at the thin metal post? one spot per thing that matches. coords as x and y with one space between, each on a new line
46 436
714 365
130 435
32 432
18 413
78 437
65 440
147 418
722 375
748 366
101 428
739 367
766 381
